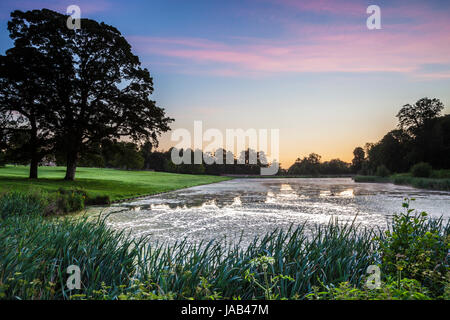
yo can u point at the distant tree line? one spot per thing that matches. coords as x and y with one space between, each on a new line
132 156
312 165
422 136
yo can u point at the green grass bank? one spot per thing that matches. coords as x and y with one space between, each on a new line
98 182
438 182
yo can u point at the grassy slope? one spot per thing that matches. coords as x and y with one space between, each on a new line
118 184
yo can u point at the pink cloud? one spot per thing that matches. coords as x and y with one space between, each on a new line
307 47
322 52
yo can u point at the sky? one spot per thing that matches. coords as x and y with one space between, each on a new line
311 69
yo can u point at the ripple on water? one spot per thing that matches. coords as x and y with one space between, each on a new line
251 207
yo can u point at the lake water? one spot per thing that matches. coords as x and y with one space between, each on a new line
250 207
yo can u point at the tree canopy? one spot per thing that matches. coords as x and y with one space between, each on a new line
423 135
24 96
414 116
97 89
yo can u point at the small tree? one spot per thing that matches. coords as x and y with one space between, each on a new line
127 156
358 159
382 171
422 170
146 153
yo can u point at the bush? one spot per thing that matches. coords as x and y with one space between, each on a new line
406 289
16 203
98 200
441 174
37 202
416 247
382 171
421 170
69 200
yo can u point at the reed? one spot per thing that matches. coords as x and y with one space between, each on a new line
36 251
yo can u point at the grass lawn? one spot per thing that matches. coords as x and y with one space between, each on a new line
117 184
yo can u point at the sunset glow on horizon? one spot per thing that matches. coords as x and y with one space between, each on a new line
311 69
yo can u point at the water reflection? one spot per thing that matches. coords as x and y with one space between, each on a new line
256 206
346 193
274 194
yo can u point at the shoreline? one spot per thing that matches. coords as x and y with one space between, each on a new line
159 193
414 182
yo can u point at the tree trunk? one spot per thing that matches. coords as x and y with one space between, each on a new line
71 166
34 151
34 168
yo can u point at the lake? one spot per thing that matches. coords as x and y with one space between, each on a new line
250 207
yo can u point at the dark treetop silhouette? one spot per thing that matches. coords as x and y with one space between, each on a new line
423 135
92 87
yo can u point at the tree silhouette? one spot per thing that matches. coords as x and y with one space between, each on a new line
414 116
423 136
358 159
25 97
101 89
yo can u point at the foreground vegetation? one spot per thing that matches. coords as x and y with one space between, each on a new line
109 184
329 263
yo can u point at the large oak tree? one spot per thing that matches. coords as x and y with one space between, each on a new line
99 88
